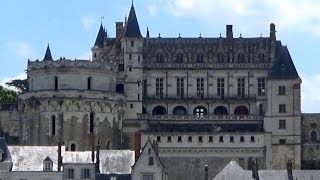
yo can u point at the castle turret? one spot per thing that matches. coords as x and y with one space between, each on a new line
97 48
47 56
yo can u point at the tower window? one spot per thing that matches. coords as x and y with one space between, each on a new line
91 129
56 83
53 125
89 81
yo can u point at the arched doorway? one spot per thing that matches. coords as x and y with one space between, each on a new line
220 110
241 110
200 111
159 110
179 110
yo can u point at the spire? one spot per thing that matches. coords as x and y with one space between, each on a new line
132 26
148 35
100 37
47 56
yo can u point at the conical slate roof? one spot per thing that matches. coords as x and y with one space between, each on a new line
132 27
100 37
283 67
47 56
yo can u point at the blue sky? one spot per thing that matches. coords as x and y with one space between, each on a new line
71 27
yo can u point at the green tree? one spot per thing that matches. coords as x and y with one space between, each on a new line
6 95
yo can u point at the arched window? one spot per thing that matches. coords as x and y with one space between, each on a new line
179 110
56 83
241 110
200 111
89 83
73 147
120 88
313 136
220 110
53 125
159 110
91 129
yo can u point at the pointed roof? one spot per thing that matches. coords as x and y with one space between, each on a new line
233 171
283 67
132 26
47 159
100 37
47 56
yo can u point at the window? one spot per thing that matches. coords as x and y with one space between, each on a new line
220 58
261 58
73 147
282 90
131 105
120 88
190 139
130 56
130 68
91 128
151 163
240 58
56 83
53 125
241 139
261 112
85 173
180 58
145 88
231 139
147 177
282 108
241 90
200 58
179 139
220 87
149 151
313 136
210 139
180 87
159 87
220 138
169 138
159 58
132 43
179 110
282 124
252 139
159 110
282 141
89 81
200 111
261 86
138 96
200 138
70 174
158 138
200 87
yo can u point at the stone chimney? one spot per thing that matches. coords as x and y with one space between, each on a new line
289 170
59 156
229 32
272 31
137 144
119 29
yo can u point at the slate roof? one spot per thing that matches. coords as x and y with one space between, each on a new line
132 27
100 37
47 56
283 67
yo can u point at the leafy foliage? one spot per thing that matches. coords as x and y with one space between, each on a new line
6 95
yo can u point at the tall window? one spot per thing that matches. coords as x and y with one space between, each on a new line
200 58
89 81
261 86
91 129
145 88
70 173
220 87
56 83
147 177
85 173
240 58
151 163
159 58
313 136
261 58
180 87
179 58
200 87
159 87
241 90
282 90
73 147
220 58
53 125
261 111
282 108
282 124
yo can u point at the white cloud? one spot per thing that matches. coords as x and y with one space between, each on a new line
293 15
8 79
21 49
89 21
310 99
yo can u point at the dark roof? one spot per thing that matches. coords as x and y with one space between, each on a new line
283 67
47 56
118 176
47 159
4 149
100 37
204 128
132 27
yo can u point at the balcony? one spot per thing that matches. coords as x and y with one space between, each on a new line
202 119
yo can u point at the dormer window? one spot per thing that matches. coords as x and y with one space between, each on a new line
47 164
200 58
159 58
180 58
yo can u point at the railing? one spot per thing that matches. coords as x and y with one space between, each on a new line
193 97
145 117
